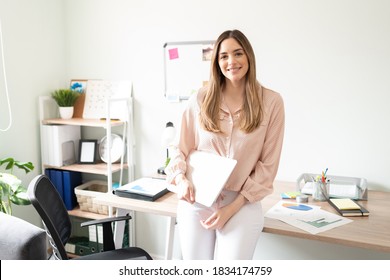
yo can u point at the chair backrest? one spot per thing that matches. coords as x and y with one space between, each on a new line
49 205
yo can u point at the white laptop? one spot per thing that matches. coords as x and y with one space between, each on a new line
209 173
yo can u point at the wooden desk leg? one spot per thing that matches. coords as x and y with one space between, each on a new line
170 237
120 229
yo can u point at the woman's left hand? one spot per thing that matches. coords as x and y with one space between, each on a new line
218 219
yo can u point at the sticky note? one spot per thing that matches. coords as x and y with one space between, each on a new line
345 203
290 194
173 53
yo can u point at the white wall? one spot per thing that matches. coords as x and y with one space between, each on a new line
328 59
34 55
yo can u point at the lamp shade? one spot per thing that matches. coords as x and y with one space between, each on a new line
168 135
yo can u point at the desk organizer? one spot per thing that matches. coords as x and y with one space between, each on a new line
337 181
86 193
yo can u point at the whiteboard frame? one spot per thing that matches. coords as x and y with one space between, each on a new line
180 96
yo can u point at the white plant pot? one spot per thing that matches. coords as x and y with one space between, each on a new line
66 112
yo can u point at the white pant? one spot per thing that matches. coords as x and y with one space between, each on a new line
235 241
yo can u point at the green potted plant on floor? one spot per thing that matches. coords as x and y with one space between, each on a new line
65 99
11 189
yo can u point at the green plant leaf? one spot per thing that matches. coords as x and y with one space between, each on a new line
26 166
5 208
11 190
65 97
9 161
5 189
21 198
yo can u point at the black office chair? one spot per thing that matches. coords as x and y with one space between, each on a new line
48 203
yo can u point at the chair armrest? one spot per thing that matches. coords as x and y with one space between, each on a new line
104 221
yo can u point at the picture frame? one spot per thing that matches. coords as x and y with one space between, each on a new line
87 151
78 85
81 87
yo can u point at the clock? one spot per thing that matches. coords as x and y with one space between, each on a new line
117 148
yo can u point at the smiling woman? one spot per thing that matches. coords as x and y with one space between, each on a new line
233 116
233 63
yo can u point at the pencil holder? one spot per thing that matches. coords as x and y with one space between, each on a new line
321 191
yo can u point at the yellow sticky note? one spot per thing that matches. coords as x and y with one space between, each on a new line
345 203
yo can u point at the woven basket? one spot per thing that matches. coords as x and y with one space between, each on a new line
85 194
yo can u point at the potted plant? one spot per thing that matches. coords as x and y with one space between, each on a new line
11 189
65 99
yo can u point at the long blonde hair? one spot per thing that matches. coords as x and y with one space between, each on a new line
252 111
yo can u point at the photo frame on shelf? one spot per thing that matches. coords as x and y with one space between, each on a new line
87 153
81 87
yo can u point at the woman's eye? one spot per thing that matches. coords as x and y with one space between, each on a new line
239 54
223 56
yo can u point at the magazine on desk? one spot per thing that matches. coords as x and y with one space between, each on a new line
148 189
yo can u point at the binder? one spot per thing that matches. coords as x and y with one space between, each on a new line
57 181
70 181
60 144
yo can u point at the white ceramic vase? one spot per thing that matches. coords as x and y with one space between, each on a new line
66 112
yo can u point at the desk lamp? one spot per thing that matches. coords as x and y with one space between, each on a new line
167 140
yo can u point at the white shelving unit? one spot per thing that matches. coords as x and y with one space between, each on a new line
48 112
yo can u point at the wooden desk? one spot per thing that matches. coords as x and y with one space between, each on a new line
371 232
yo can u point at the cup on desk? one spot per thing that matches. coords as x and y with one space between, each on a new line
320 191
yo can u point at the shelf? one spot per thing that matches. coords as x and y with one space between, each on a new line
76 212
83 122
99 168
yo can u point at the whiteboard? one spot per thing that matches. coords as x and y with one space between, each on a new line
187 68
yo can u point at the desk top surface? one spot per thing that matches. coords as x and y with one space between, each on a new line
372 232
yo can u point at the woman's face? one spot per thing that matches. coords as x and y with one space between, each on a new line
232 60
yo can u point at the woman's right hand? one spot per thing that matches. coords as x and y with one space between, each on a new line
186 190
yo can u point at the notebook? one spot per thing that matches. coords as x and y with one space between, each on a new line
348 207
148 189
208 173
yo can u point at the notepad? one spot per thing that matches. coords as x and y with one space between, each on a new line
345 203
208 173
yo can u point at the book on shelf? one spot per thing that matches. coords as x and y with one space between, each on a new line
148 189
348 207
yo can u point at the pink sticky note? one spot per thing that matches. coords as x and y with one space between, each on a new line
173 53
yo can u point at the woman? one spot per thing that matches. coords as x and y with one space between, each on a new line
233 116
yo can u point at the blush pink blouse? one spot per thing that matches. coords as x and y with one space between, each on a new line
257 153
